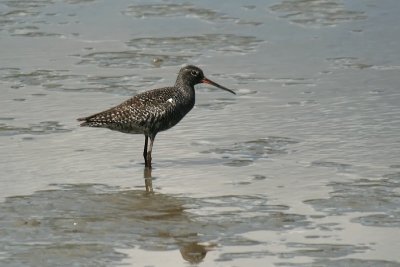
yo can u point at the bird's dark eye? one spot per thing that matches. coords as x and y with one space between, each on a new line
194 72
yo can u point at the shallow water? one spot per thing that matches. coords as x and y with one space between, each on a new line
300 168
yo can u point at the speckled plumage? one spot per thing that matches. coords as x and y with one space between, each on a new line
153 111
146 113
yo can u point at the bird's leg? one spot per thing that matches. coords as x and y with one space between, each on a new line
145 150
149 151
148 182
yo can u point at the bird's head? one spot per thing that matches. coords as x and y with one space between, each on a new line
193 75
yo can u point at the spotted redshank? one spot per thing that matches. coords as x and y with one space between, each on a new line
153 111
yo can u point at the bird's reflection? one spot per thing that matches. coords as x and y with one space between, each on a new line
104 215
194 252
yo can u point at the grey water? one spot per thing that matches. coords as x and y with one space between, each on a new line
300 168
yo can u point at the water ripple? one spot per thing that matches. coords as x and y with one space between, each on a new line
245 153
175 10
44 127
132 59
378 196
316 12
195 45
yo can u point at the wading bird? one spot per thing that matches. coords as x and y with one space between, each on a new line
153 111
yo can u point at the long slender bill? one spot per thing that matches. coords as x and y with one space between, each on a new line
207 81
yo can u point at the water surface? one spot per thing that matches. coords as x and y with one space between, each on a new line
300 168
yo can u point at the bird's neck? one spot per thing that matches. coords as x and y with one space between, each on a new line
184 85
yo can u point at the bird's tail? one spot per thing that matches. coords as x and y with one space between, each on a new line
85 121
101 119
93 121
